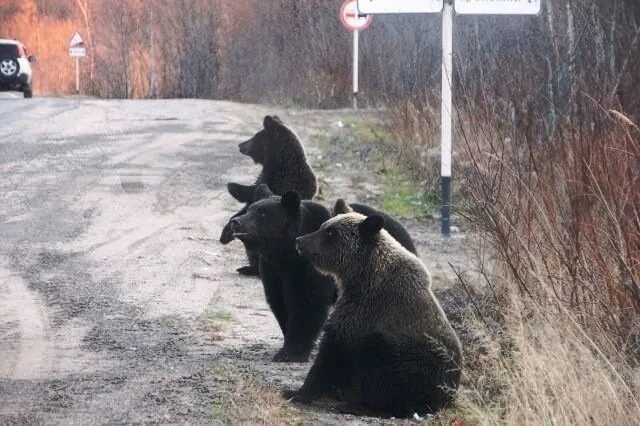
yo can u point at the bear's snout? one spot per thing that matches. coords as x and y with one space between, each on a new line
235 224
244 147
305 246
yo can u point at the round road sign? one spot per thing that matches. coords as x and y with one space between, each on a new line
351 18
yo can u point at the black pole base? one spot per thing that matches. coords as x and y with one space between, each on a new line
445 208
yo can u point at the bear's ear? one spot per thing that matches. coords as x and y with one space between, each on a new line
371 226
272 122
341 207
291 202
261 192
242 193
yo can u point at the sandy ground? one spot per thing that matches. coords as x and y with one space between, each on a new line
117 303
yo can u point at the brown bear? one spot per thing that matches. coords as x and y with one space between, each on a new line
388 346
284 168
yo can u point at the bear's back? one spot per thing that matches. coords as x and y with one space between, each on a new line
286 167
395 228
314 215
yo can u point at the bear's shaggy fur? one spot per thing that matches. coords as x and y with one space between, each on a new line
284 168
388 346
299 296
391 224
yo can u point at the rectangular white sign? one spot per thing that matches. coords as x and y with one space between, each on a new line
497 7
77 52
371 7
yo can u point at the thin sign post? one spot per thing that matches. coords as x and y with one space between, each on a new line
446 118
77 75
354 21
480 7
356 51
77 51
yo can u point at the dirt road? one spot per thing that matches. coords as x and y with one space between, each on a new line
117 303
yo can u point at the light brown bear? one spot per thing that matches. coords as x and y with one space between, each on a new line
388 347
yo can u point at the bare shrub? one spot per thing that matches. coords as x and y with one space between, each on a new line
565 218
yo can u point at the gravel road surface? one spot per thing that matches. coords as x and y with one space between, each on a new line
117 303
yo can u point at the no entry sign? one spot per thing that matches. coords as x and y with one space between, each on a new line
351 18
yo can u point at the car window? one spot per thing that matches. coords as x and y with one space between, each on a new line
8 50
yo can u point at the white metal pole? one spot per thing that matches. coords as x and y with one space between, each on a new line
356 38
447 115
77 75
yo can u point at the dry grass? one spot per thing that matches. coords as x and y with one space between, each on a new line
544 369
415 137
249 402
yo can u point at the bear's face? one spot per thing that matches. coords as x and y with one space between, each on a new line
267 221
257 146
334 248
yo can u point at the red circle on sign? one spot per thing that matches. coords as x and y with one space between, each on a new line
350 17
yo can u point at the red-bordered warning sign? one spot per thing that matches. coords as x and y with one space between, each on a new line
351 18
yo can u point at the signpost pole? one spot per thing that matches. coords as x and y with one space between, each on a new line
463 7
354 22
355 68
77 75
447 116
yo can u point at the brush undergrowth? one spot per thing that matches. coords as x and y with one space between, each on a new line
557 338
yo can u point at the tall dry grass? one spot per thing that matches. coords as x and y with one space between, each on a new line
546 369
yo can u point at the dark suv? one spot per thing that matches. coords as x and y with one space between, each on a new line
15 67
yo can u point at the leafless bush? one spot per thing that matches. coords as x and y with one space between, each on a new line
565 217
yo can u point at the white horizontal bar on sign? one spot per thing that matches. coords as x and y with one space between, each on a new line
497 7
372 7
77 52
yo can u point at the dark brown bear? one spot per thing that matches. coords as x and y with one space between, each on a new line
284 168
388 347
299 296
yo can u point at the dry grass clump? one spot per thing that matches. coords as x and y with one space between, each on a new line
562 219
415 127
249 402
544 369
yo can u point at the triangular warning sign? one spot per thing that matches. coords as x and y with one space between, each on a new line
76 40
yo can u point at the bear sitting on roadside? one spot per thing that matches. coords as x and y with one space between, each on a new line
388 346
391 225
284 168
299 296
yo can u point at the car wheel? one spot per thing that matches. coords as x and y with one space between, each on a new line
9 67
27 92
